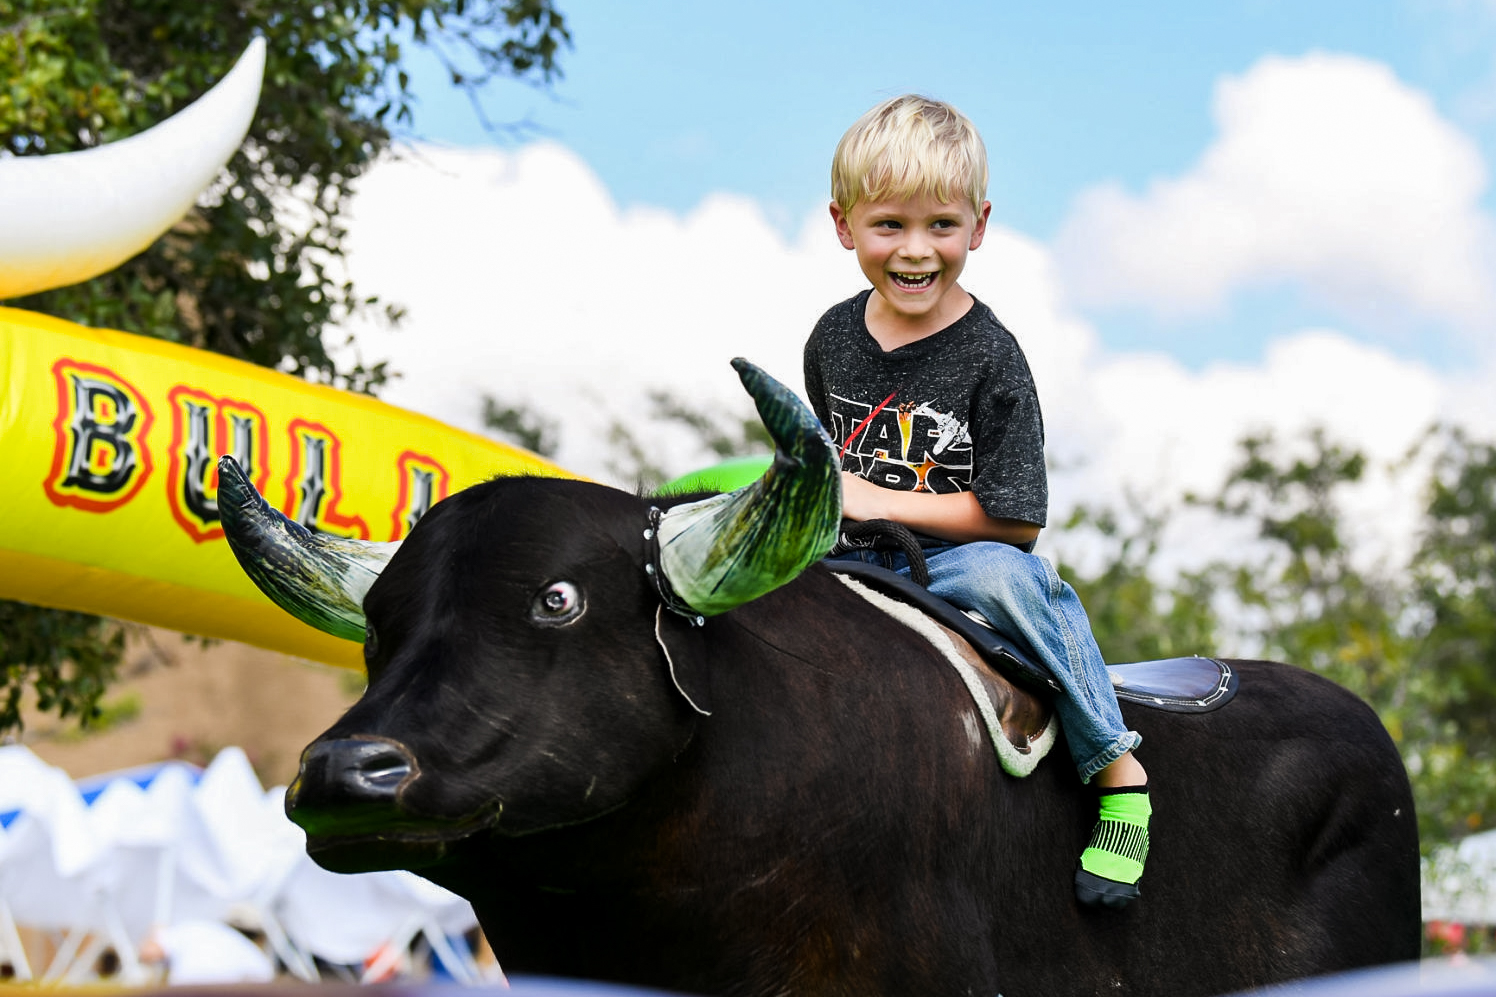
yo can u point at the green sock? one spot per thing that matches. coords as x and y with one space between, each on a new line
1119 843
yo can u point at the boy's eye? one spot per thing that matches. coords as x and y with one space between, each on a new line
888 223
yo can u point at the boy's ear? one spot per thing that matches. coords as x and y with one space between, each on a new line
843 226
979 230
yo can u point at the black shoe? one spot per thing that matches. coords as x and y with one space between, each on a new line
1098 891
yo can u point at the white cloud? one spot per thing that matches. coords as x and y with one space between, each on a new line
1327 173
1143 423
523 278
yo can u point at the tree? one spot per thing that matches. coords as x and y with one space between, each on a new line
1301 592
522 425
1450 723
641 458
712 436
251 274
1416 642
1134 616
69 659
253 271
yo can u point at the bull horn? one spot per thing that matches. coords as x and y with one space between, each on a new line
318 578
730 549
73 215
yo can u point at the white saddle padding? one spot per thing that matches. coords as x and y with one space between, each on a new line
1014 762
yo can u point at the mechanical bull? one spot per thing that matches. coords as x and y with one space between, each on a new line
672 750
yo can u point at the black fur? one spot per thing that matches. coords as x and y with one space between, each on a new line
832 827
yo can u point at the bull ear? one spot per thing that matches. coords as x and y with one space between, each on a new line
685 656
317 578
730 549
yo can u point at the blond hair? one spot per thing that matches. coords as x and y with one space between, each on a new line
907 147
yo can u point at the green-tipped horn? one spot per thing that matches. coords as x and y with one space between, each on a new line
730 549
317 578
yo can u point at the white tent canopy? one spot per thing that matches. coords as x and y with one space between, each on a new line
1459 883
111 860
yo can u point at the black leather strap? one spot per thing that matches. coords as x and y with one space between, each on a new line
656 572
1177 685
885 537
1019 665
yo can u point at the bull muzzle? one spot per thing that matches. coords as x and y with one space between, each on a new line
349 786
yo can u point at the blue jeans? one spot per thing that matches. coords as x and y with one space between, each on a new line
1024 599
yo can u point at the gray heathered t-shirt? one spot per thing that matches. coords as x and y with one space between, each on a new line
955 411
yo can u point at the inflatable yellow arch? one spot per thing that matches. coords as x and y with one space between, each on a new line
109 441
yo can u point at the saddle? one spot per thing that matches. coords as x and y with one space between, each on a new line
1178 685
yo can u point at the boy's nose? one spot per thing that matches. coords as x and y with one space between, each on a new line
915 247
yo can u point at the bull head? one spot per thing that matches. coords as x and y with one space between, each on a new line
713 554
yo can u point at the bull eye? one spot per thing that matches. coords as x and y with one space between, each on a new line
557 605
371 641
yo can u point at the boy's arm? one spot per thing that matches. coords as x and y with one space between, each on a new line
954 516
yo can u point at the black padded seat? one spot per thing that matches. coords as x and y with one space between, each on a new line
1180 685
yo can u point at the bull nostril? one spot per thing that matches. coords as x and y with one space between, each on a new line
386 774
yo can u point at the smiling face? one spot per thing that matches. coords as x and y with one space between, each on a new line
913 251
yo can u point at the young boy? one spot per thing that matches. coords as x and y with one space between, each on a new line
931 404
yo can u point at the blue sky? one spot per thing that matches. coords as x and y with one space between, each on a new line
1211 218
670 102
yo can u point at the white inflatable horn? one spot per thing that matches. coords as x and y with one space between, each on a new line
70 216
